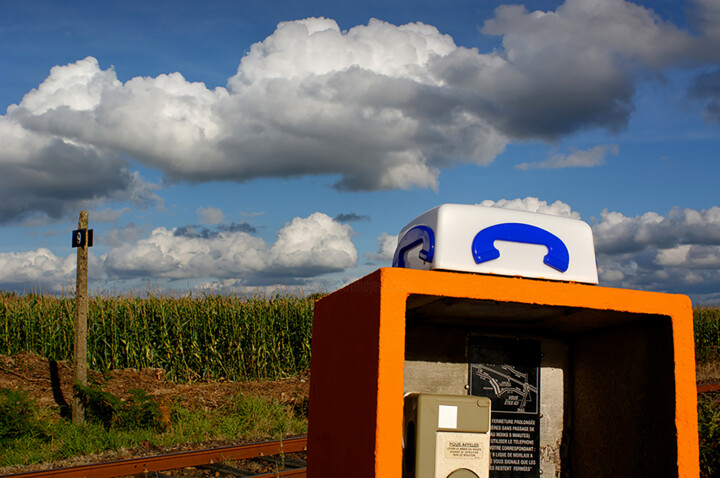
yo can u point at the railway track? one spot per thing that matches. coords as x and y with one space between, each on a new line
283 458
708 387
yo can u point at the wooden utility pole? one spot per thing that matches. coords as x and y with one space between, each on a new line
82 240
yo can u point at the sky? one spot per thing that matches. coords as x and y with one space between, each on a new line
263 147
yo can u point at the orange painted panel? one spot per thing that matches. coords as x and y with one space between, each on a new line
344 378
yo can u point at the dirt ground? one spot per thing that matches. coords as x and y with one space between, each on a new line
50 385
708 372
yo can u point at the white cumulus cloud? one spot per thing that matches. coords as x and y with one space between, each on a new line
386 248
311 246
533 204
41 270
679 251
380 106
616 233
305 247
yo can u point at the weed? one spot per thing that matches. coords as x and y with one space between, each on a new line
245 417
100 406
261 417
143 412
18 416
709 431
139 412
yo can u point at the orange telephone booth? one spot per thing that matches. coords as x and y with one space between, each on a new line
584 380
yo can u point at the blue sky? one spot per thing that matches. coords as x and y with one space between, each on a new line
250 146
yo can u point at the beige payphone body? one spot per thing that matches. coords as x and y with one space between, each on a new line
446 436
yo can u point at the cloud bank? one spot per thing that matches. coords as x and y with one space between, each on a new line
664 253
305 249
380 106
678 251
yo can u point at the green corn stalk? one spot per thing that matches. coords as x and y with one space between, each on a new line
707 333
191 337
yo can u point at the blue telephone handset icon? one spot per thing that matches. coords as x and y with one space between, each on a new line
417 235
483 248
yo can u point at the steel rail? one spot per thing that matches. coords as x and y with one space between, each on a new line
173 461
298 472
708 387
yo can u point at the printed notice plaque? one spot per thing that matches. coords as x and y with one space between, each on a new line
508 372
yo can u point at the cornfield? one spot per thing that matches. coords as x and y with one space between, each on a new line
212 337
707 333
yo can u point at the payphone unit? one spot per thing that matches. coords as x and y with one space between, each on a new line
446 436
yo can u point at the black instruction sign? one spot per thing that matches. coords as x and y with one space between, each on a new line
508 372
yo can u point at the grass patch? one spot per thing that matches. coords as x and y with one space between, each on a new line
66 440
246 418
117 425
709 431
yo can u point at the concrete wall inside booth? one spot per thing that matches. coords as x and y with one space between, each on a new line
607 392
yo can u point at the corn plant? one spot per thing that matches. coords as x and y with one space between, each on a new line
205 337
707 333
